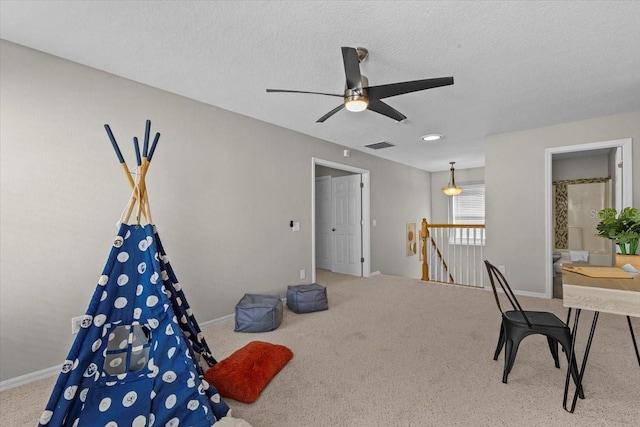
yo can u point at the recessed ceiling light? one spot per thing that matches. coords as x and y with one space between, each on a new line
432 137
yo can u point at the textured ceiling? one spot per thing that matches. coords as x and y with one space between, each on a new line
517 65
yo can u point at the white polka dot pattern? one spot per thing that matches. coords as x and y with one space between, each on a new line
46 417
70 392
123 279
129 399
67 366
105 404
99 320
86 321
140 421
170 402
131 339
169 377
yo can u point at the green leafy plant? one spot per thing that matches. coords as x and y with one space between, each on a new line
622 228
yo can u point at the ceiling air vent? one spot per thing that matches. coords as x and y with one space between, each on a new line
379 145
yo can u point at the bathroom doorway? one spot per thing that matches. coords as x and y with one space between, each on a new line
582 180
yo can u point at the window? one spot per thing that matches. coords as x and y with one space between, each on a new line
127 349
468 208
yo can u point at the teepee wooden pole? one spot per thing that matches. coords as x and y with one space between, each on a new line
129 211
138 197
147 129
119 155
147 154
139 188
143 190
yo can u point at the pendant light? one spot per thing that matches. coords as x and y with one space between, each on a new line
451 189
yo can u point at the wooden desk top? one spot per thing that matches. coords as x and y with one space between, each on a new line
571 278
610 295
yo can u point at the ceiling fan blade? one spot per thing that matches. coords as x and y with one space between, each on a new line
385 109
330 113
300 91
393 89
352 68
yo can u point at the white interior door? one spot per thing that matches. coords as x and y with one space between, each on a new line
346 218
323 222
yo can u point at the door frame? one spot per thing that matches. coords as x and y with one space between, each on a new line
627 190
366 212
320 179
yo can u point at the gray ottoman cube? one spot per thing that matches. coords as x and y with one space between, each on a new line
307 298
258 313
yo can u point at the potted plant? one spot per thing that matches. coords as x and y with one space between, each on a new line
624 229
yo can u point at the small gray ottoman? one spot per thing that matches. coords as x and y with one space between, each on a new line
258 313
307 298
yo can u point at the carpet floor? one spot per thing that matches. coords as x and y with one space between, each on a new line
394 351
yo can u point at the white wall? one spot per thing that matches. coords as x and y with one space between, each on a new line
222 188
515 190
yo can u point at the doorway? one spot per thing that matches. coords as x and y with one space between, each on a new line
321 238
621 174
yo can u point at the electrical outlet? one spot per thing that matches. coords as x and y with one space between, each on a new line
303 274
76 323
501 269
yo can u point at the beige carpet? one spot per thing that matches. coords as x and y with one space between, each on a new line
393 351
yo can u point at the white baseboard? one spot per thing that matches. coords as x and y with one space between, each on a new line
29 378
374 273
55 370
531 294
214 321
519 293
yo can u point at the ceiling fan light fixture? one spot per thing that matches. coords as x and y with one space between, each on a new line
452 189
360 96
354 101
432 137
356 105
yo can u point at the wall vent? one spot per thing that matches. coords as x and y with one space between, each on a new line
379 145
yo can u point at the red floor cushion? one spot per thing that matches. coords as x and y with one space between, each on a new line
243 375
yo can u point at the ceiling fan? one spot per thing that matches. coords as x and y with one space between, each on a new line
359 96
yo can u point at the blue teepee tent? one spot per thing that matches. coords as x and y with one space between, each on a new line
134 360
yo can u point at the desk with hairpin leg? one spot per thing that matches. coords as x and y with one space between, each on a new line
607 295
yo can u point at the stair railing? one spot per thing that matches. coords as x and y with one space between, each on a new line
452 253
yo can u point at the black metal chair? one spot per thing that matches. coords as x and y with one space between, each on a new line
517 324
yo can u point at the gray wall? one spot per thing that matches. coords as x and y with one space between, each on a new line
222 188
515 190
325 171
580 168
